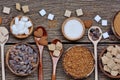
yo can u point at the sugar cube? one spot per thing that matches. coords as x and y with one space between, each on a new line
25 9
20 25
105 35
6 10
97 18
28 24
18 7
42 12
79 12
26 31
14 28
21 31
24 18
50 16
67 13
56 53
104 22
16 20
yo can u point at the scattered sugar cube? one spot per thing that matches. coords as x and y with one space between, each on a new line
16 20
104 22
50 16
28 24
25 9
18 7
79 12
97 18
42 12
24 18
6 10
67 13
105 35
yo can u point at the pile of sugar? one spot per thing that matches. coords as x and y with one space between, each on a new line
73 29
21 26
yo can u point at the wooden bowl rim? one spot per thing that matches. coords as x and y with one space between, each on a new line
22 36
7 59
72 18
101 65
113 25
71 75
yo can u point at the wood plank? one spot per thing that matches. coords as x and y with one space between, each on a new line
106 9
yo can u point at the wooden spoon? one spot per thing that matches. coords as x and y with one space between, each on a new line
95 48
55 59
5 35
40 47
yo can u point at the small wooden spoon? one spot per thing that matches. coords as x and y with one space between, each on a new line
95 48
40 47
55 59
6 35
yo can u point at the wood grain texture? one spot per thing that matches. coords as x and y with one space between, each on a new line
105 8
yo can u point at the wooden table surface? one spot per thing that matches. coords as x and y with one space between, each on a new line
105 8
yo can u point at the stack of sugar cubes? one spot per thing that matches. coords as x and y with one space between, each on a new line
21 26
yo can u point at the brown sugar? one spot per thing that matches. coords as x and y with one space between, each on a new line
78 62
88 23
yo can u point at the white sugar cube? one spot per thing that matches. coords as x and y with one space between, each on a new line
67 13
104 22
21 32
26 31
6 10
105 35
24 18
14 29
50 16
42 12
97 18
79 12
28 24
20 25
16 20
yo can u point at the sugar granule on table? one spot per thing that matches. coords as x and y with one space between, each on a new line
67 13
42 12
79 12
97 18
6 10
50 16
104 22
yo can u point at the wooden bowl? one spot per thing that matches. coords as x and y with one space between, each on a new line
8 55
101 65
21 36
113 26
63 25
72 75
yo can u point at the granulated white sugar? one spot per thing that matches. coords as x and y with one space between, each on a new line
73 29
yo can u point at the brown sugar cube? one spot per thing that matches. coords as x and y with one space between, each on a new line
51 47
6 10
18 7
88 23
105 59
114 73
106 68
110 48
111 64
25 9
59 46
0 20
114 51
109 55
56 53
67 13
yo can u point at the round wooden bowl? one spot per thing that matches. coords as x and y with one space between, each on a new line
101 65
63 25
68 72
113 26
21 36
7 60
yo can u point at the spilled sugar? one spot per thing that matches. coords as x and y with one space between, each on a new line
73 29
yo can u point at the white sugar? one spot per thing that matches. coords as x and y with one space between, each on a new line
73 29
16 20
24 19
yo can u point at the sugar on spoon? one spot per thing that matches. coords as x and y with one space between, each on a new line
98 34
40 48
55 59
4 35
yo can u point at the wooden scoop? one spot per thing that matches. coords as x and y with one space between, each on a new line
95 48
4 35
40 47
55 59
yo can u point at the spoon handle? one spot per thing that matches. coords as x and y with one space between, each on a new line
2 61
54 69
96 67
40 75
